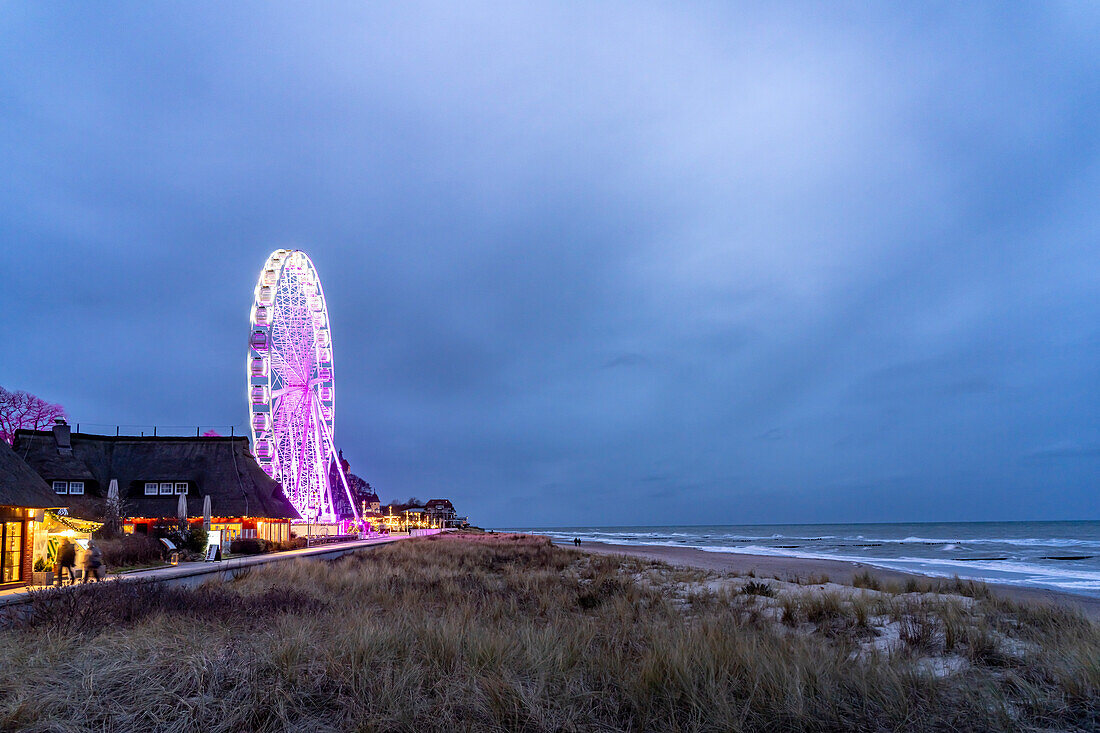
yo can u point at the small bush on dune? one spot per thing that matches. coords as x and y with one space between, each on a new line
920 631
600 592
754 588
917 585
866 580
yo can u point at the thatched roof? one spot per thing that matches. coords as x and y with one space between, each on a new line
221 467
20 485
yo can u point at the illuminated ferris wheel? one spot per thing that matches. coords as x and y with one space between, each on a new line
290 384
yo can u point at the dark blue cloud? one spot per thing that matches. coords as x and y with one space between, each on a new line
624 263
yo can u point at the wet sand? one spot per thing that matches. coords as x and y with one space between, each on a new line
797 568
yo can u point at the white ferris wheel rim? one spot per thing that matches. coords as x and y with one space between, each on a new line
262 403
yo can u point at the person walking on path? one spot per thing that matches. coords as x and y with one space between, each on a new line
93 562
66 560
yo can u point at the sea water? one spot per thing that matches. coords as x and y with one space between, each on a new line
1063 556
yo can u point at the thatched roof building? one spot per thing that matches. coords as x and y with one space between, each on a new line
20 486
23 497
152 472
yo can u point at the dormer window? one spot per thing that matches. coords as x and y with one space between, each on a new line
68 487
164 488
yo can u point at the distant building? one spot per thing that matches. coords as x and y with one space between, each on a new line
24 497
440 510
153 472
370 500
366 500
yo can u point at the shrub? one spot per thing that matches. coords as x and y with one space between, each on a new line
248 546
134 549
754 588
866 580
189 536
196 540
917 585
919 631
294 543
823 608
193 537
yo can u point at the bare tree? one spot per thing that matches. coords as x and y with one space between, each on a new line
24 410
358 485
114 512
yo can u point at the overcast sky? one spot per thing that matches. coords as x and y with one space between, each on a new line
587 263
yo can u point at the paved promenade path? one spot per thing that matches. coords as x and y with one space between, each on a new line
196 573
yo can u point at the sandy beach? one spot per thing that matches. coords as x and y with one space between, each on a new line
796 568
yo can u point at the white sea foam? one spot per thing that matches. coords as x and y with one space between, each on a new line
1018 541
1028 561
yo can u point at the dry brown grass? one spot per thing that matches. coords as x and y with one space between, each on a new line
505 633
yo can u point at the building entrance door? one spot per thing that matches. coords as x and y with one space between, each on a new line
11 552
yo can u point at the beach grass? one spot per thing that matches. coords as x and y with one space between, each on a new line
508 633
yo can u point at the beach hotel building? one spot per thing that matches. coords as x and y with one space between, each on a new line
24 499
440 510
150 474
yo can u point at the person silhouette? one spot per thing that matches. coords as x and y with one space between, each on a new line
66 562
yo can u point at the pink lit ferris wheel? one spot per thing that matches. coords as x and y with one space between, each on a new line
290 383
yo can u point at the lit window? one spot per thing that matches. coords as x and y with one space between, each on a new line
76 487
166 488
150 489
181 487
61 487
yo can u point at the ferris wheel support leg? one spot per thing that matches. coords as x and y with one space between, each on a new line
340 469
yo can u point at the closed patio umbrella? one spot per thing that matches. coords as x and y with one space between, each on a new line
114 507
206 512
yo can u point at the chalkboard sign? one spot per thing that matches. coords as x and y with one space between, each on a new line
213 549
